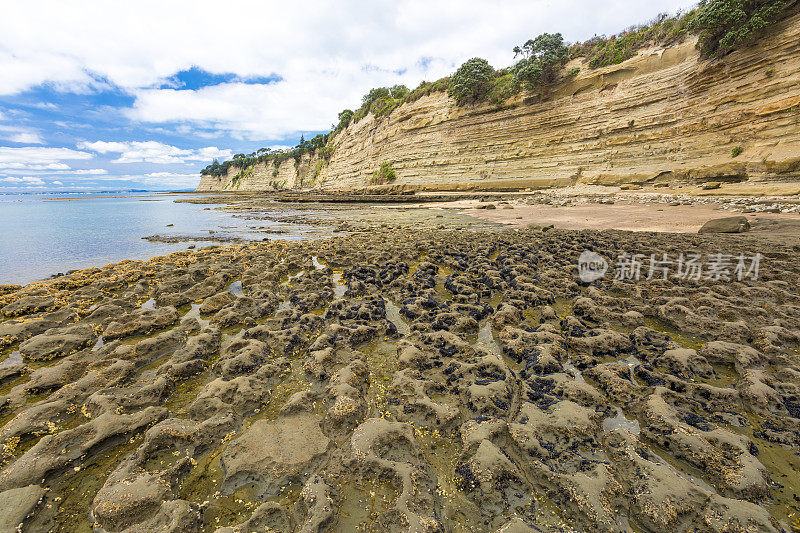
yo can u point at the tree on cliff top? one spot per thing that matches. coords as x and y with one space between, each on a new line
344 119
472 81
542 59
725 25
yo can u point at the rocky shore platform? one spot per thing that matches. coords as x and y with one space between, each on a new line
424 380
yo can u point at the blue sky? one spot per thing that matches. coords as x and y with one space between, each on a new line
108 96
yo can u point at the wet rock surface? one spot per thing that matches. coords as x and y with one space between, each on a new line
738 224
389 380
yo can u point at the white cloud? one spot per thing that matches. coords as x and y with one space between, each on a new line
61 169
39 158
56 182
171 175
19 134
26 138
27 180
327 53
153 152
89 171
171 180
35 167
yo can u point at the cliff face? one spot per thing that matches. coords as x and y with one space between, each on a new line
288 175
663 115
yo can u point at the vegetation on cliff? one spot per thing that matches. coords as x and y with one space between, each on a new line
241 162
724 25
384 174
721 25
602 51
542 60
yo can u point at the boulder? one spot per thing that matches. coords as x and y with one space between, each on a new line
737 224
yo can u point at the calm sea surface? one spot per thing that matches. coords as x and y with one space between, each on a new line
41 235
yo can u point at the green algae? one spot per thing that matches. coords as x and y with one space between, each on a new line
184 393
6 352
367 505
783 465
725 376
382 364
6 415
225 510
202 485
78 489
495 299
10 384
680 337
563 307
163 460
441 279
37 397
684 469
441 453
532 314
440 289
293 380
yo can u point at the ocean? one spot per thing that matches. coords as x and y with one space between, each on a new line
45 234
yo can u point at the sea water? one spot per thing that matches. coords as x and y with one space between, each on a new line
45 234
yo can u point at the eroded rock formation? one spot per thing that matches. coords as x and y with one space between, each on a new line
663 115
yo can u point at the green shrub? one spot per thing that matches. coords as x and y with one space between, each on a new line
326 152
725 25
504 86
573 73
374 94
528 73
398 92
384 174
601 51
737 151
344 119
542 59
426 88
381 101
383 107
472 81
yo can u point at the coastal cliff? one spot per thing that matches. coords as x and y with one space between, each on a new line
664 115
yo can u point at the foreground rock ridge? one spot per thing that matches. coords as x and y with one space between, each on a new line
663 116
422 381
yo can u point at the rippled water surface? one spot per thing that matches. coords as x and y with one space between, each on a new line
41 235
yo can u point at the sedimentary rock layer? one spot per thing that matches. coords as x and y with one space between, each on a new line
663 115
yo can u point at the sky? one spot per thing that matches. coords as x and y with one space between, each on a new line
142 95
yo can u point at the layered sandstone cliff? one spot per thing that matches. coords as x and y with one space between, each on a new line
663 115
